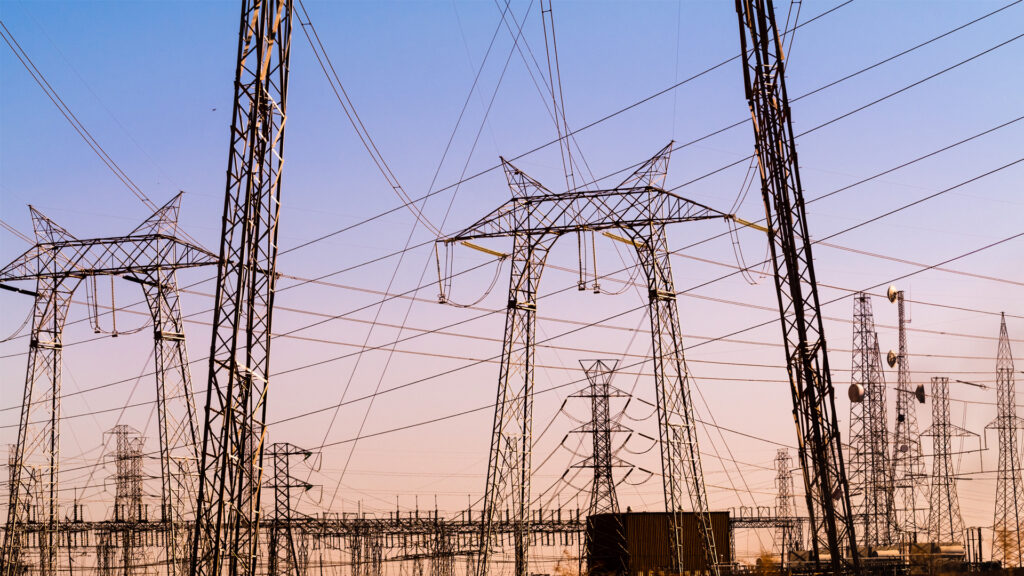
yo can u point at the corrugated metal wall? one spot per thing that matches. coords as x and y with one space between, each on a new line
639 543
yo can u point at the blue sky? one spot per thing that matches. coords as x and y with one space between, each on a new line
152 82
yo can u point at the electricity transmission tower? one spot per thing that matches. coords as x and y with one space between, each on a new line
58 262
128 507
535 218
601 428
225 539
945 524
1007 545
602 461
819 445
907 456
870 473
789 535
283 557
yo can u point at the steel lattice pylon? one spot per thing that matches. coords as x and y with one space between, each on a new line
602 461
535 218
1008 523
945 524
226 541
819 444
128 507
149 255
789 535
870 471
907 456
283 555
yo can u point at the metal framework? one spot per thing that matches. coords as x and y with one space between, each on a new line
283 555
602 461
1008 524
225 541
819 446
790 536
945 524
149 255
907 456
870 470
536 218
129 509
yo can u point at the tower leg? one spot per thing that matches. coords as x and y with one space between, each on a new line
39 431
508 470
680 454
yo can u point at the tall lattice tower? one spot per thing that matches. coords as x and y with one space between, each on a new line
870 471
283 553
125 551
790 536
907 456
1008 525
945 524
601 427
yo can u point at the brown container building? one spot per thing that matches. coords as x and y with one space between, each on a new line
639 543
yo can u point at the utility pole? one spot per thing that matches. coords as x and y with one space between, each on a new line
1007 545
226 539
58 262
945 524
907 456
814 410
535 218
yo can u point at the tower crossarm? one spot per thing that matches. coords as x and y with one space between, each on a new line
593 210
106 256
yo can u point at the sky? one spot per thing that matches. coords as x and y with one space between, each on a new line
409 424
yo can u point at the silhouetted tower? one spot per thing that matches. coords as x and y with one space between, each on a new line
58 262
789 534
907 456
226 536
602 461
283 556
129 509
1008 525
819 441
945 525
601 428
640 208
870 474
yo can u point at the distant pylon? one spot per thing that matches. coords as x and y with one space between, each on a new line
128 506
790 536
1008 525
945 524
601 427
602 460
283 555
870 472
907 456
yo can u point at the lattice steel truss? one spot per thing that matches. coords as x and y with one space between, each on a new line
283 554
226 540
819 445
129 509
945 524
1008 524
790 537
149 255
870 471
602 460
536 218
601 427
907 456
